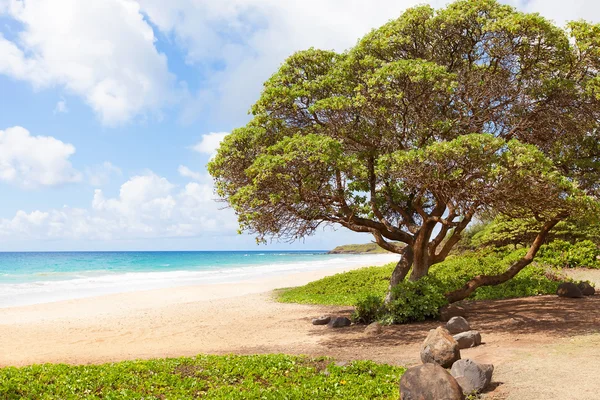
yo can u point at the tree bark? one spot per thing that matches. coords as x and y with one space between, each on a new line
400 271
492 280
421 254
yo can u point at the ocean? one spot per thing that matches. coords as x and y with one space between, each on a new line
33 278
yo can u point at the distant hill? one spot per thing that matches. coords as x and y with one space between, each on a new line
367 248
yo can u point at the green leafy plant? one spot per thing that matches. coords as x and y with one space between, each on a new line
208 377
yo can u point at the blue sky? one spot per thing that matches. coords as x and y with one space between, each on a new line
110 110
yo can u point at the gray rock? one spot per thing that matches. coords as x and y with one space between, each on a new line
586 289
569 289
471 376
429 382
339 322
324 320
467 339
440 348
457 325
452 310
373 329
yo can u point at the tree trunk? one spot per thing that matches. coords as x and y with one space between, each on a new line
400 271
492 280
421 258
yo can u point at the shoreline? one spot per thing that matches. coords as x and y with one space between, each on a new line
173 322
53 291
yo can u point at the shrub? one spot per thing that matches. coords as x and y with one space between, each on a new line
582 254
368 309
415 301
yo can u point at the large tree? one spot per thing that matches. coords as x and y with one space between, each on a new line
427 122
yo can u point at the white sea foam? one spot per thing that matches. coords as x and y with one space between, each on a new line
93 283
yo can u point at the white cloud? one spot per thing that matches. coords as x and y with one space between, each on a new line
147 206
32 161
251 38
210 143
194 175
100 50
61 107
100 175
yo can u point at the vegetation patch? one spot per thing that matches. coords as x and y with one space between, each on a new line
355 286
367 248
206 377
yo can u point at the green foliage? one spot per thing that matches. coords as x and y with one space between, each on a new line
437 114
368 309
503 231
207 377
535 279
370 248
346 288
584 254
418 300
415 301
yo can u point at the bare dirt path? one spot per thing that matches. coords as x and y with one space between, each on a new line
543 347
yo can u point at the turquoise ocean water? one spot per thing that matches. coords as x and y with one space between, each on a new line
30 278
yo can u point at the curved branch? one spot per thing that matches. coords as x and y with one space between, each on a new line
491 280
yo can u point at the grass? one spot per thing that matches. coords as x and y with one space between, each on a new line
346 289
206 377
368 248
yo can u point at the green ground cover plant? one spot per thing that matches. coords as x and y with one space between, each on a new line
206 377
365 288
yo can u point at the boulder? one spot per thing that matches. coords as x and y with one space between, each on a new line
324 320
569 289
452 310
471 376
373 329
440 348
339 322
586 289
429 382
457 325
468 339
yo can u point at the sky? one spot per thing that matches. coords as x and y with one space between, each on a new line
110 110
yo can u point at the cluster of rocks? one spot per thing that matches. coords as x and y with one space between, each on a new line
332 322
441 351
373 329
575 290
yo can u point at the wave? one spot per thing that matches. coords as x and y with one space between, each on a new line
93 283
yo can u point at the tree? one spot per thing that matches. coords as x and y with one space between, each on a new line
504 231
429 121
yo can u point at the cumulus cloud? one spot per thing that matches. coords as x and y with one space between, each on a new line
251 38
33 161
147 206
210 143
61 107
194 175
100 50
100 175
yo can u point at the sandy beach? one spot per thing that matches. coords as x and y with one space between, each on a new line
521 337
214 318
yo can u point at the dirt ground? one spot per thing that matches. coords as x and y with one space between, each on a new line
543 347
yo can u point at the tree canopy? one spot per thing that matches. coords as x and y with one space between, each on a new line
432 119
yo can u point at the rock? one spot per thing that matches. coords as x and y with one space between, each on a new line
324 320
429 382
586 289
452 310
339 322
457 325
568 289
373 329
471 376
440 348
467 339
